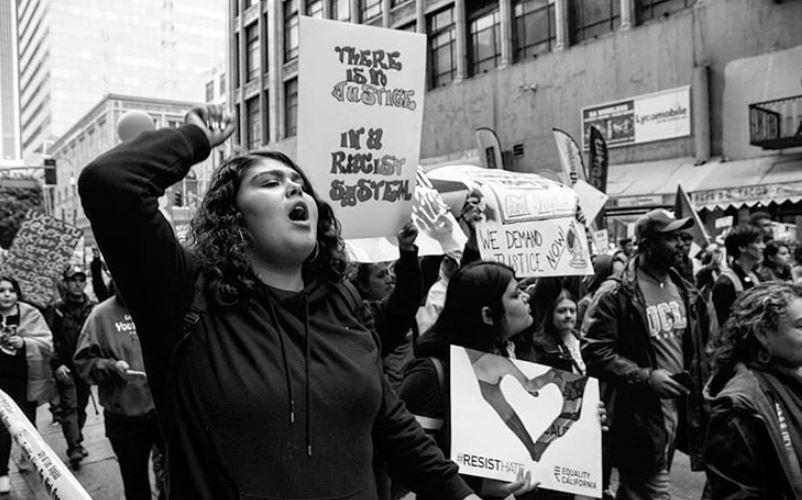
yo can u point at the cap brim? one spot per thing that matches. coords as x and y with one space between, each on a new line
678 225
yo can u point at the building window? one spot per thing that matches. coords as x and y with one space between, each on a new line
236 7
341 10
252 49
646 10
410 27
396 3
254 123
222 83
485 41
248 3
370 9
314 8
442 47
291 108
590 18
290 30
533 28
236 61
210 91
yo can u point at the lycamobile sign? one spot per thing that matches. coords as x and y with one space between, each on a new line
651 117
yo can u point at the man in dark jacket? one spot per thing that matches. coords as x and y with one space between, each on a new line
646 332
67 318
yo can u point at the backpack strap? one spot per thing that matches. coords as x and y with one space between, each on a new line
196 307
736 281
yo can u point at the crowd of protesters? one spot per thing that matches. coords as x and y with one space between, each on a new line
262 364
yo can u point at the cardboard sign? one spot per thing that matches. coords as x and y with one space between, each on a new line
439 233
601 239
38 255
528 222
360 112
591 200
508 415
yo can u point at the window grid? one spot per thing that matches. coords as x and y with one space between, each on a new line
291 108
254 122
210 91
485 38
341 10
290 30
252 49
314 8
442 47
534 30
370 9
646 10
591 18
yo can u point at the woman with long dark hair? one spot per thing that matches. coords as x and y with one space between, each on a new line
754 438
556 344
266 380
25 348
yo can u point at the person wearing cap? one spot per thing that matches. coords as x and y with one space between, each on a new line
67 317
646 331
745 245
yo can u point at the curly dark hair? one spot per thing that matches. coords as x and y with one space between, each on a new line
217 237
754 314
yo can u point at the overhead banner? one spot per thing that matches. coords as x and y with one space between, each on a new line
529 222
439 232
38 254
599 160
570 157
360 112
510 415
645 118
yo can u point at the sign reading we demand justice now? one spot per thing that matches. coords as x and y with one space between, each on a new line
360 112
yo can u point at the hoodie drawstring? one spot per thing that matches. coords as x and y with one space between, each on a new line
307 356
306 359
284 358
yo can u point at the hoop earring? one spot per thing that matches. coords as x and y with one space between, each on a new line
242 236
314 254
764 355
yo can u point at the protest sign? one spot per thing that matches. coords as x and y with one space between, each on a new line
684 207
591 200
439 232
529 222
509 415
601 239
38 254
360 112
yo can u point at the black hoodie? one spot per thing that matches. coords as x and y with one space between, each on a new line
280 396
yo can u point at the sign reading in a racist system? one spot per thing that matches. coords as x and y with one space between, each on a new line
38 254
529 222
510 415
360 112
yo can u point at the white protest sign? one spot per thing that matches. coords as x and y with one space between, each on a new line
601 239
509 415
360 112
528 222
591 200
439 232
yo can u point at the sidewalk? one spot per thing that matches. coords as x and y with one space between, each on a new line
99 473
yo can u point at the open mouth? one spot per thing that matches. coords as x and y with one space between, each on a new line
299 212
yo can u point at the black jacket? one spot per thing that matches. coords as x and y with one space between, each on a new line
618 351
67 318
744 453
281 396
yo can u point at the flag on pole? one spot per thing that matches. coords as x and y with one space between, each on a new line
489 148
599 160
683 207
570 157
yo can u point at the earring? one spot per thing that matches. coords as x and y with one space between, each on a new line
764 355
314 254
241 236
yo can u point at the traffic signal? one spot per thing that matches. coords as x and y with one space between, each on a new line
50 171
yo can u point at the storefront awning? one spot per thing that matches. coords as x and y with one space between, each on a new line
715 184
750 182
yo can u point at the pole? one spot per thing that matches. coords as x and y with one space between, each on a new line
57 479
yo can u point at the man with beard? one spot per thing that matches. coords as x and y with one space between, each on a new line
646 331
